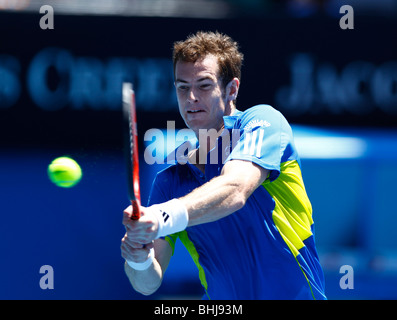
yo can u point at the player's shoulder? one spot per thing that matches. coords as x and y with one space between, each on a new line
261 115
261 110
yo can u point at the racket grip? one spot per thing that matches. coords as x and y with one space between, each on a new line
136 213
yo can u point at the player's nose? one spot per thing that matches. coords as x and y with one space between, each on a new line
192 97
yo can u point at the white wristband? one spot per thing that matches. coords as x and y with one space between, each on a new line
172 216
140 266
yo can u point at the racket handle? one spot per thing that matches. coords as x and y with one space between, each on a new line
136 213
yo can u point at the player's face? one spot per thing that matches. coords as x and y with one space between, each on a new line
201 95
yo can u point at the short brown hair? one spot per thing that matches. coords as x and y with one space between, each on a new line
202 43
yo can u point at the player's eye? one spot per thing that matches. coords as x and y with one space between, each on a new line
182 87
205 86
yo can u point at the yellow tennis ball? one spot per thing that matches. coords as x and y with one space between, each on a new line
64 172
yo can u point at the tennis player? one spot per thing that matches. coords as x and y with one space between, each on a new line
245 219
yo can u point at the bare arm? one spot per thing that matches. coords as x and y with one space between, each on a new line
147 281
224 194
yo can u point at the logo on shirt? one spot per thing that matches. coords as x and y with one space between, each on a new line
253 142
256 123
254 135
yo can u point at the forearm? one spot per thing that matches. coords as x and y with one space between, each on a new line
147 281
224 194
214 200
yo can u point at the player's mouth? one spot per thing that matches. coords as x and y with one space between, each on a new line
194 111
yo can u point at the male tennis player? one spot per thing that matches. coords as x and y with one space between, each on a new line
246 219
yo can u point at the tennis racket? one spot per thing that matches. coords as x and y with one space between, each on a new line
131 148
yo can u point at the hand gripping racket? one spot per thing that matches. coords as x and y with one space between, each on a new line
131 148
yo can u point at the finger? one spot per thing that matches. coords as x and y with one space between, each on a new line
141 231
137 241
140 226
149 245
148 222
128 251
140 235
127 216
131 254
127 213
128 240
136 255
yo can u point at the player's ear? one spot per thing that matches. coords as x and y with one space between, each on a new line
232 89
